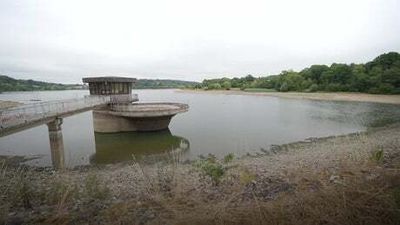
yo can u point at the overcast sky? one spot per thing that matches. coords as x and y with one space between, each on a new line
65 40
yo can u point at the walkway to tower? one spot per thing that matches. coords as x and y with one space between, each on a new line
23 117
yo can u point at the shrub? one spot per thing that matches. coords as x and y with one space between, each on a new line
373 90
228 158
211 168
377 156
243 87
313 88
334 87
226 85
386 88
214 86
284 87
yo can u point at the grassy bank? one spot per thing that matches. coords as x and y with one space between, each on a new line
352 179
326 96
259 90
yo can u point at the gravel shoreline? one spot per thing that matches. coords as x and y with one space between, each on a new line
158 192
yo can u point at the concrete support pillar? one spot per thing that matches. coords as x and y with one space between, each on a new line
56 143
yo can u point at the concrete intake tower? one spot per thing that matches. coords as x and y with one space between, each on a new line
123 113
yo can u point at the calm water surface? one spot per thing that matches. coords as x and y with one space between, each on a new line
216 124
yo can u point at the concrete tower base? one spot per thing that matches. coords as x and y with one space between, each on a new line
136 117
104 122
56 143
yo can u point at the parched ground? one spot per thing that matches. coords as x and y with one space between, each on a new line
351 179
8 104
332 96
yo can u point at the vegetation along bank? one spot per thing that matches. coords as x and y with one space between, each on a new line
379 76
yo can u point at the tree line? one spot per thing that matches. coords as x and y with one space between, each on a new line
163 83
379 76
11 84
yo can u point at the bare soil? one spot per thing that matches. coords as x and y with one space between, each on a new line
8 104
334 96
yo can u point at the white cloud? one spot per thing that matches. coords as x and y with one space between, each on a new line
184 39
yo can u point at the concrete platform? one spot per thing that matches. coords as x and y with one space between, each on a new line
136 116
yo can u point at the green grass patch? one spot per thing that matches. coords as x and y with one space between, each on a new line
259 90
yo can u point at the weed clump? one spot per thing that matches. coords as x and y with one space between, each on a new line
95 189
213 168
229 158
378 155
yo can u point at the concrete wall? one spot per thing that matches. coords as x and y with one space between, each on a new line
104 122
56 143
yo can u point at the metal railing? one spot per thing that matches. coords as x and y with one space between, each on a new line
30 113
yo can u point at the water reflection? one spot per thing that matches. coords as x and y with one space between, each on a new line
356 113
119 147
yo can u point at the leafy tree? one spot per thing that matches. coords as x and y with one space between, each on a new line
236 82
314 73
392 76
381 75
385 61
226 85
342 73
293 80
214 86
284 87
249 78
313 88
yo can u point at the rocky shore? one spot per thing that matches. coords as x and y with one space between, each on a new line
350 179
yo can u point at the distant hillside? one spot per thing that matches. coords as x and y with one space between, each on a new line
11 84
159 84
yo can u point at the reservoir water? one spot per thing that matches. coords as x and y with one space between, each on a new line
215 124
